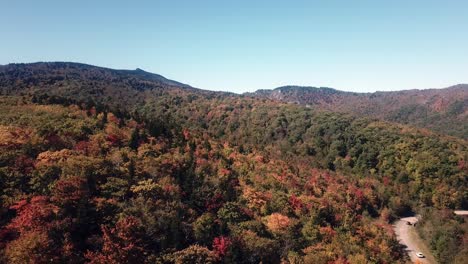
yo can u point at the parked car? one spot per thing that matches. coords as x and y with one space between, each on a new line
419 255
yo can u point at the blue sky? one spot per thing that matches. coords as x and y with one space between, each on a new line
248 45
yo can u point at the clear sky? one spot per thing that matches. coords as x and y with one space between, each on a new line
245 45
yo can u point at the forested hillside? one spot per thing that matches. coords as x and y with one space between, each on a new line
103 167
80 81
441 110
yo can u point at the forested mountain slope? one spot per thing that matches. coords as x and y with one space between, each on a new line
81 81
441 110
170 174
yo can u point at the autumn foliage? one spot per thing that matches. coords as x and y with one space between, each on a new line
210 179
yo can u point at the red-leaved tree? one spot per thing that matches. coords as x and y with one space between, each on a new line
121 244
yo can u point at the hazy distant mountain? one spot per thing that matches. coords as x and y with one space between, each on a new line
441 110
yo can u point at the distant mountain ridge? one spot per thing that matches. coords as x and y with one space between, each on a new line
79 81
442 110
69 75
301 94
310 94
21 70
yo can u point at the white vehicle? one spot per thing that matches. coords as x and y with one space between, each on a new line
420 255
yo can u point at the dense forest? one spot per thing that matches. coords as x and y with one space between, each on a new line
104 166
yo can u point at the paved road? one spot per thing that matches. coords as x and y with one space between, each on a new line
407 236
